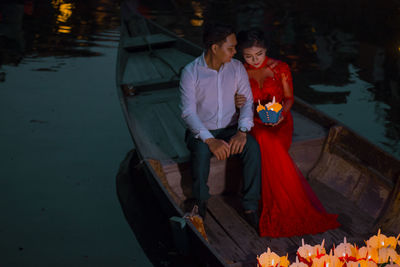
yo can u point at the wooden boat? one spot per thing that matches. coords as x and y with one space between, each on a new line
352 177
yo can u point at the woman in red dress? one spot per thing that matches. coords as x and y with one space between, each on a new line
288 205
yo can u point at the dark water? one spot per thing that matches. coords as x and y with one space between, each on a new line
62 137
345 55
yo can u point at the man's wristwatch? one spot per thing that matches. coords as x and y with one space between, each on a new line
243 129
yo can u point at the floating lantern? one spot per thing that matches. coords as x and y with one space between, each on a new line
380 250
268 259
346 252
367 253
271 112
384 254
327 261
306 253
381 240
362 263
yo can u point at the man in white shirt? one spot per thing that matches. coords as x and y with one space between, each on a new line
207 89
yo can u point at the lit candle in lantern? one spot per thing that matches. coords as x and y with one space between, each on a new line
305 253
268 259
327 261
367 253
381 240
346 251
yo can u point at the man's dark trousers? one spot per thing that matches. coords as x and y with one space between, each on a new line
200 163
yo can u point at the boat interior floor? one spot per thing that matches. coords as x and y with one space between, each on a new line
227 230
156 116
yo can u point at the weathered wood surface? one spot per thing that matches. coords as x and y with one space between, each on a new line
222 243
390 220
355 222
354 174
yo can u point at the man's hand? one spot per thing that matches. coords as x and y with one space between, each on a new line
239 100
218 147
237 142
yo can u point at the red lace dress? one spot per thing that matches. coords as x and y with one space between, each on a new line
288 205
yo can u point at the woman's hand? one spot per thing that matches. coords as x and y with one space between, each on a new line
239 100
281 118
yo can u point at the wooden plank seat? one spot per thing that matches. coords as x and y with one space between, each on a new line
138 43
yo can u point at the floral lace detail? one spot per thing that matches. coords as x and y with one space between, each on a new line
271 86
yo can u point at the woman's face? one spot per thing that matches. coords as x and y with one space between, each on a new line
254 55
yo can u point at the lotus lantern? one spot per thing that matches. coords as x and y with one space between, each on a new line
346 251
327 261
268 259
361 263
381 240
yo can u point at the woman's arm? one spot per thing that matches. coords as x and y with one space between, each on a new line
288 99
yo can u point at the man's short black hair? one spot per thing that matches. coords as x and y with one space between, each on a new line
216 33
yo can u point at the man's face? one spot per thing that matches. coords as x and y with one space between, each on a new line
225 51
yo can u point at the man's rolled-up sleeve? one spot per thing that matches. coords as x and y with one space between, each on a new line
187 87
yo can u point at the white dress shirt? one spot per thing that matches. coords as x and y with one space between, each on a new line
207 97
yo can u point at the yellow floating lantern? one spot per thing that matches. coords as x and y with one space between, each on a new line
284 261
385 254
367 253
327 261
346 251
268 259
361 263
381 240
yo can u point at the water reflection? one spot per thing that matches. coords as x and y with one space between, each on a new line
62 28
327 45
12 42
198 13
